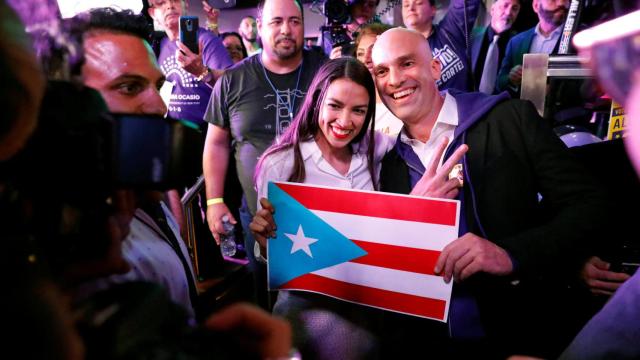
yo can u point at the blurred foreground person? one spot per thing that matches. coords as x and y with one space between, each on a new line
613 333
31 306
73 228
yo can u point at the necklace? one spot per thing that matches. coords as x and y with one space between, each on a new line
290 105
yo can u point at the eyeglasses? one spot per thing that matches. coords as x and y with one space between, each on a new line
161 3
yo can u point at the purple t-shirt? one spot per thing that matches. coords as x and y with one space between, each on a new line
190 97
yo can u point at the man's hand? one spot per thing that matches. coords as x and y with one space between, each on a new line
600 280
336 53
190 62
263 226
470 254
215 213
515 75
211 13
257 331
435 181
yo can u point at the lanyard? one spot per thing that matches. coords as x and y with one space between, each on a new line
290 104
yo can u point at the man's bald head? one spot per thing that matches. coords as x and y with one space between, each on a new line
399 37
405 74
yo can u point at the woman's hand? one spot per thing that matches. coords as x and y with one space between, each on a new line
263 225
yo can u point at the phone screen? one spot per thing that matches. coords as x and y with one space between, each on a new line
189 32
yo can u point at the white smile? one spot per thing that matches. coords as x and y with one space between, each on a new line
340 132
403 93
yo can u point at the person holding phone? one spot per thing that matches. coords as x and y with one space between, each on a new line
191 74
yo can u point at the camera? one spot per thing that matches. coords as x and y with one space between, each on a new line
79 154
338 14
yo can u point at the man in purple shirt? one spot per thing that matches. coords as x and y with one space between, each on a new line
192 75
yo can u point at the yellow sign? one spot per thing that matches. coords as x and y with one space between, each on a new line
616 122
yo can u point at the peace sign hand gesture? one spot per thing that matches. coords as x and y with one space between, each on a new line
435 181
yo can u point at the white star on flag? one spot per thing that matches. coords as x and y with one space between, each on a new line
301 242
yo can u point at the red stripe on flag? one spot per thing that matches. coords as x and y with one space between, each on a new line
397 257
390 300
374 204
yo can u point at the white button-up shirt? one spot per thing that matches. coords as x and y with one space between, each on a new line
445 126
544 45
318 171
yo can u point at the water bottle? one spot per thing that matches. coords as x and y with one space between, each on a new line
228 238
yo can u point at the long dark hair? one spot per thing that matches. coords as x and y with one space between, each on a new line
225 35
305 124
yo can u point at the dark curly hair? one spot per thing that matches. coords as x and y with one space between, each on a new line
59 48
120 21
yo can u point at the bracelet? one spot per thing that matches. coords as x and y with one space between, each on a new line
214 201
204 74
212 27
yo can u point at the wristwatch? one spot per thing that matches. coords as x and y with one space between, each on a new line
258 254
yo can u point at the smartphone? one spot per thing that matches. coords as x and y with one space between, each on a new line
629 267
189 32
222 4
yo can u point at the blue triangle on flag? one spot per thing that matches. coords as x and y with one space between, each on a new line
292 218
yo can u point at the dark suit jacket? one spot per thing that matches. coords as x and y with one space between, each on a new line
476 45
517 47
477 53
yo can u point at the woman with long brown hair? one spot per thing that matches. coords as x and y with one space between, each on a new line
331 142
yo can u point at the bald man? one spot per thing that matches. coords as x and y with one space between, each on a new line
508 257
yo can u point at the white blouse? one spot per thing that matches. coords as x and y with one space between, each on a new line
277 167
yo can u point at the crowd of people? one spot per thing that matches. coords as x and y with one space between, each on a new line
104 272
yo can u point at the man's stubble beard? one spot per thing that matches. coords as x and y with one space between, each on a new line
549 16
249 39
287 54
